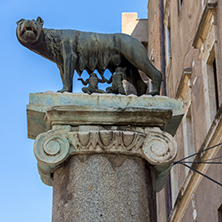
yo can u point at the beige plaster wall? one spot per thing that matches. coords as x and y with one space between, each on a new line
183 30
154 33
161 206
129 22
208 195
184 26
138 28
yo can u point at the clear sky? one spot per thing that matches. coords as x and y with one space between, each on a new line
23 197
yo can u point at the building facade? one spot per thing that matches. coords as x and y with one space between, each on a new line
190 35
138 28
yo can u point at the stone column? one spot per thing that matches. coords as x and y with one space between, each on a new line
103 187
105 161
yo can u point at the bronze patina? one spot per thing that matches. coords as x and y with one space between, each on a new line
117 81
75 50
93 81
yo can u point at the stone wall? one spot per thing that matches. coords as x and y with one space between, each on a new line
138 28
195 43
154 33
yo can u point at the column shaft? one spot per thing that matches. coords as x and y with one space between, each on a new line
103 187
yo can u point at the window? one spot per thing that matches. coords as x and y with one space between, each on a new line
205 40
150 84
204 2
220 213
184 92
168 42
180 2
188 136
194 208
211 87
215 84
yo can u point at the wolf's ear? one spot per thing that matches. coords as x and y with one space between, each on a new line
39 19
21 20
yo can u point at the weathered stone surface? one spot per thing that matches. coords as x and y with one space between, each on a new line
80 115
102 107
103 188
53 148
104 155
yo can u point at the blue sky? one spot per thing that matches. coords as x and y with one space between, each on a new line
24 198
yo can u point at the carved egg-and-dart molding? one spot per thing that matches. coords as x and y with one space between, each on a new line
55 146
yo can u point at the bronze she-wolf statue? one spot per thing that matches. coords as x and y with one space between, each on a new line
74 50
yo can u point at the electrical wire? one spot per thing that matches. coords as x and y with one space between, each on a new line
201 162
184 163
219 144
209 178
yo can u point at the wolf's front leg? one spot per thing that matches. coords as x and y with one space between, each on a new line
69 68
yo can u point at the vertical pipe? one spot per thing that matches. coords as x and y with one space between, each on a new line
163 69
162 46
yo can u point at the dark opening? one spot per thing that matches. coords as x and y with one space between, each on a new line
216 84
220 213
169 196
180 2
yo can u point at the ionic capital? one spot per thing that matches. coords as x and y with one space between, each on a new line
55 146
